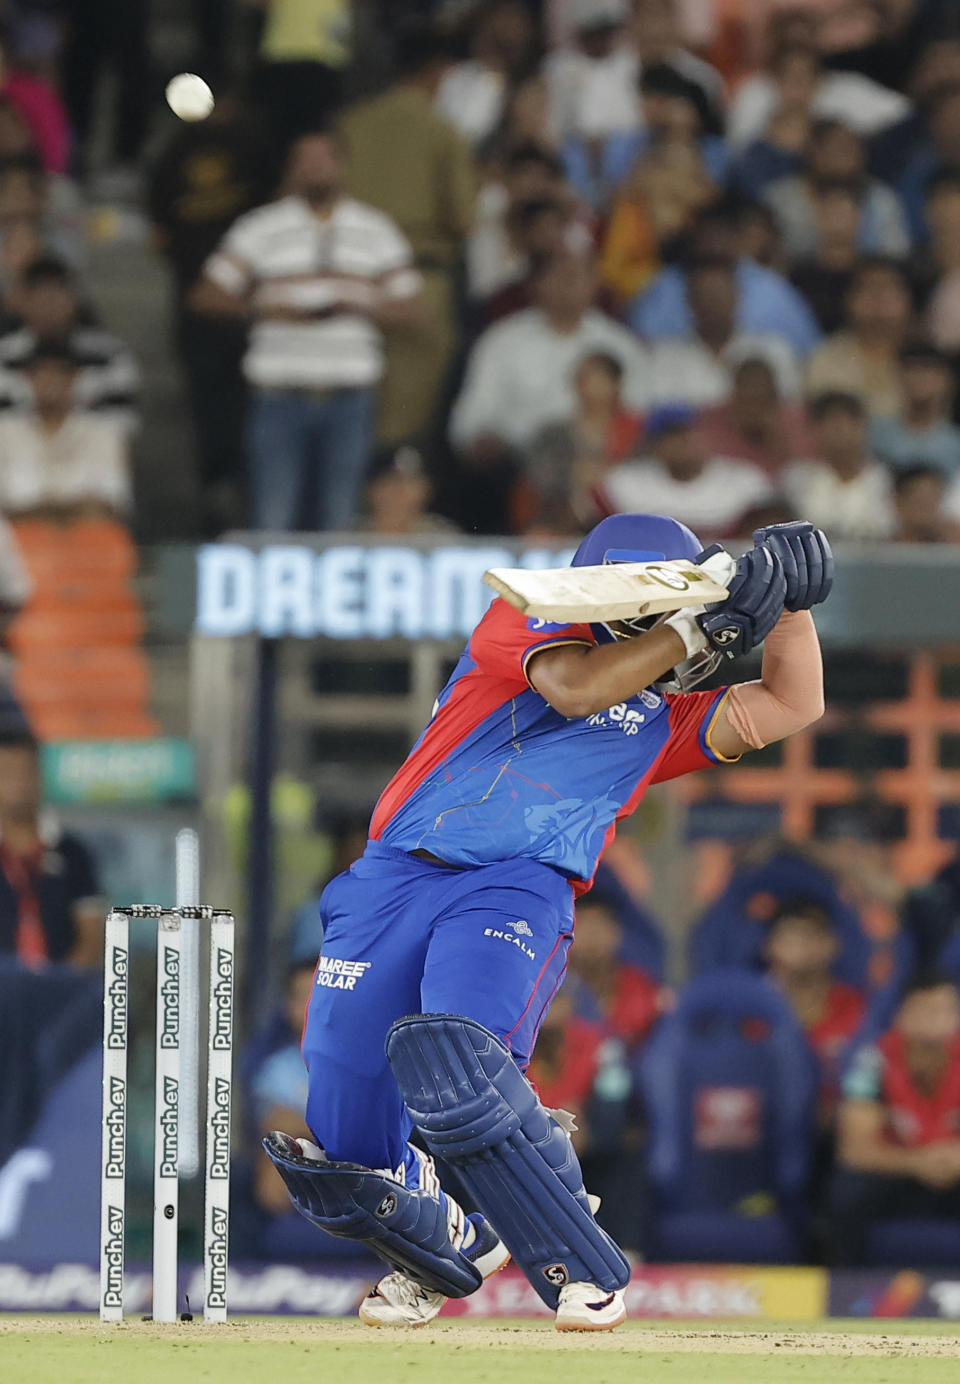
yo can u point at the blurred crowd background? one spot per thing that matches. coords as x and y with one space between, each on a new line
504 267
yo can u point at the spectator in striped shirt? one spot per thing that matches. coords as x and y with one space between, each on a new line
319 275
53 314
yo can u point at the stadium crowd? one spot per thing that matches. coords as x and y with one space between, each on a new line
612 254
508 267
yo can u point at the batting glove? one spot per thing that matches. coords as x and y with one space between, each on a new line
757 590
807 561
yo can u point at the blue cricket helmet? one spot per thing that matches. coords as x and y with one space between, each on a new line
637 538
646 538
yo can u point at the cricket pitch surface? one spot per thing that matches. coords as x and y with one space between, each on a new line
297 1350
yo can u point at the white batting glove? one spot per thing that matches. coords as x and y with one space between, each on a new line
721 567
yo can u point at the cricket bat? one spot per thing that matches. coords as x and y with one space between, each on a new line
616 591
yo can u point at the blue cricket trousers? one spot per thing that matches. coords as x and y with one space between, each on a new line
405 936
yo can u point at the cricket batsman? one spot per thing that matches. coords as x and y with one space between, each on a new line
446 942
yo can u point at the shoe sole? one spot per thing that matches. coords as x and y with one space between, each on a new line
592 1325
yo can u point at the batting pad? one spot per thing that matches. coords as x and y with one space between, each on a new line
407 1229
475 1109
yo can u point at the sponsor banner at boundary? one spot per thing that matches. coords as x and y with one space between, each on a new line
661 1292
292 1290
895 1293
284 1290
679 1291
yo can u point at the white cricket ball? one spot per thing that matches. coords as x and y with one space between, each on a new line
189 97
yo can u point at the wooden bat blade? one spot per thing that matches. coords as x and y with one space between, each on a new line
617 591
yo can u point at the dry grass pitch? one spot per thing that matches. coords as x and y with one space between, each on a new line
63 1350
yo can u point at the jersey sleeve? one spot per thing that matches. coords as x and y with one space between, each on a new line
506 639
692 717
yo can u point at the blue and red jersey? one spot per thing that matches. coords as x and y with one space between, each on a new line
499 775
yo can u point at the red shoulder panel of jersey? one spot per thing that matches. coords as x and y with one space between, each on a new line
505 639
491 671
692 715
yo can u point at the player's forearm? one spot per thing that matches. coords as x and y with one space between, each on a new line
789 694
579 681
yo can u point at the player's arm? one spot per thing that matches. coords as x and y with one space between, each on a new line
787 697
789 693
578 680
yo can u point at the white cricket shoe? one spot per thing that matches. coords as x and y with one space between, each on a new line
585 1307
398 1301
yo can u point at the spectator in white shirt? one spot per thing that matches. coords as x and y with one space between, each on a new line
50 306
520 372
594 81
59 462
713 495
520 378
473 93
698 369
319 274
844 491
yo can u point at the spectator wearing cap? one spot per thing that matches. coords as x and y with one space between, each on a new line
756 424
58 461
676 476
520 372
697 368
765 301
321 274
107 378
411 164
593 80
398 498
863 358
843 490
50 905
473 93
836 153
922 433
920 495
